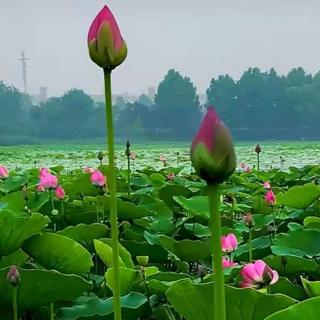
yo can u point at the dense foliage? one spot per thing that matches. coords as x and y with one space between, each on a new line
61 244
260 104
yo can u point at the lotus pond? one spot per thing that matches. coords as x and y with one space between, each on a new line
61 243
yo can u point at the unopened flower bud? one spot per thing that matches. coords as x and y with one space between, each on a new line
248 220
257 148
13 276
212 152
100 156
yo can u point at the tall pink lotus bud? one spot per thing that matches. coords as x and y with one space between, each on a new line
229 243
257 149
13 276
98 179
60 193
248 220
258 274
4 172
106 46
270 198
212 152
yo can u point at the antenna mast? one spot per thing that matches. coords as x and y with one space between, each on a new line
24 60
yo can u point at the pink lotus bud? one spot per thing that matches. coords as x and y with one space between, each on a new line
4 172
212 153
229 243
243 165
98 179
248 170
248 220
226 263
257 274
13 276
171 176
266 185
270 198
133 155
162 158
60 193
106 46
43 172
88 170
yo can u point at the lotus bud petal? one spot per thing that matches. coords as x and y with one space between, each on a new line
212 152
13 276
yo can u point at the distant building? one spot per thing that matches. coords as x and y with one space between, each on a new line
126 97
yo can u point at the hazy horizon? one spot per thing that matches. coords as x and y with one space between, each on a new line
201 39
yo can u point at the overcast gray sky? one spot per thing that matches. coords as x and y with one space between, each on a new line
200 38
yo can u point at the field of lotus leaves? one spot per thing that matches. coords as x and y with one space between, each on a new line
59 239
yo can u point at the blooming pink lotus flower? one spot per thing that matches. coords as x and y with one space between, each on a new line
270 198
13 276
229 243
266 185
4 172
106 46
60 193
171 176
212 153
133 155
226 263
98 179
48 180
88 170
258 274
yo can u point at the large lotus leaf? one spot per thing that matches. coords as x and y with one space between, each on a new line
81 212
41 287
15 229
290 265
128 278
104 252
260 249
197 206
168 192
124 254
85 233
195 301
312 222
298 243
299 197
285 286
312 287
156 253
80 185
16 258
308 309
187 250
54 251
133 306
13 183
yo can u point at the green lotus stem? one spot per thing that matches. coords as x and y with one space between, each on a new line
63 215
51 311
250 244
15 302
129 177
113 199
219 294
258 163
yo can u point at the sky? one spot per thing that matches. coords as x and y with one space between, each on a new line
200 38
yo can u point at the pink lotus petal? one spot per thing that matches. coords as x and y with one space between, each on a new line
260 266
275 277
4 172
98 179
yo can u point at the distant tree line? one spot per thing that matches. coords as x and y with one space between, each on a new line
260 105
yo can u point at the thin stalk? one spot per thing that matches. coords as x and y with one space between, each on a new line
63 215
274 222
51 311
258 162
15 302
250 244
113 199
129 177
145 284
219 294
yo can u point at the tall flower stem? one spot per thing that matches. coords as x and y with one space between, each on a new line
250 244
15 302
51 311
258 163
113 199
219 294
129 177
